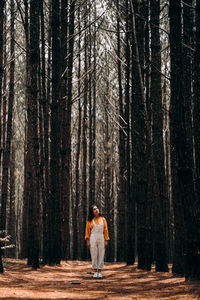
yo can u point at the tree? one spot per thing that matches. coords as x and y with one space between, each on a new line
7 150
180 148
67 128
33 157
44 134
54 238
85 130
160 196
76 212
27 173
139 129
2 3
121 201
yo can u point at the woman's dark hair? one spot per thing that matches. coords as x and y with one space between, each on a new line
91 215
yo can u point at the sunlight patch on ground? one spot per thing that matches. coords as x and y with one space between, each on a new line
73 280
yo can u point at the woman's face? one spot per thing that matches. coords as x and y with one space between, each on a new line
95 211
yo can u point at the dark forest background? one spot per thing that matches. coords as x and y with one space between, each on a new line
100 103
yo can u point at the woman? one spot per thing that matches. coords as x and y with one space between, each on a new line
96 236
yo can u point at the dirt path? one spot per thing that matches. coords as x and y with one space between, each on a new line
73 280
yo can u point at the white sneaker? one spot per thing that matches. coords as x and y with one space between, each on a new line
100 275
96 275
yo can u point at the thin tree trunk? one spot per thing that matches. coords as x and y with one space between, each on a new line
107 157
188 40
196 113
12 216
84 142
54 239
121 201
149 217
67 137
93 181
90 173
64 184
2 3
196 117
6 153
77 215
160 197
45 128
34 204
42 191
130 255
2 33
27 172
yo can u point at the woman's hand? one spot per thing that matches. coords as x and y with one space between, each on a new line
106 244
88 243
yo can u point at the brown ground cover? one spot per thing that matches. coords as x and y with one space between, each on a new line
73 280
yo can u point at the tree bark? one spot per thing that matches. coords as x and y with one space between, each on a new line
34 204
139 140
6 153
12 217
160 196
179 142
67 129
26 193
121 201
45 141
2 3
54 239
76 211
65 176
84 141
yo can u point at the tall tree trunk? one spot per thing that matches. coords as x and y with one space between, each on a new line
179 226
27 172
54 239
46 112
4 88
85 127
188 43
93 181
160 197
107 157
179 142
2 3
139 140
6 153
149 197
45 128
64 184
66 142
197 114
178 253
90 173
77 215
34 204
42 191
130 255
121 201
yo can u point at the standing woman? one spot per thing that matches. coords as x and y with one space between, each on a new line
96 236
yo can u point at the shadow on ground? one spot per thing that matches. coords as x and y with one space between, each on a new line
73 280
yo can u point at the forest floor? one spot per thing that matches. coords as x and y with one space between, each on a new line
73 280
